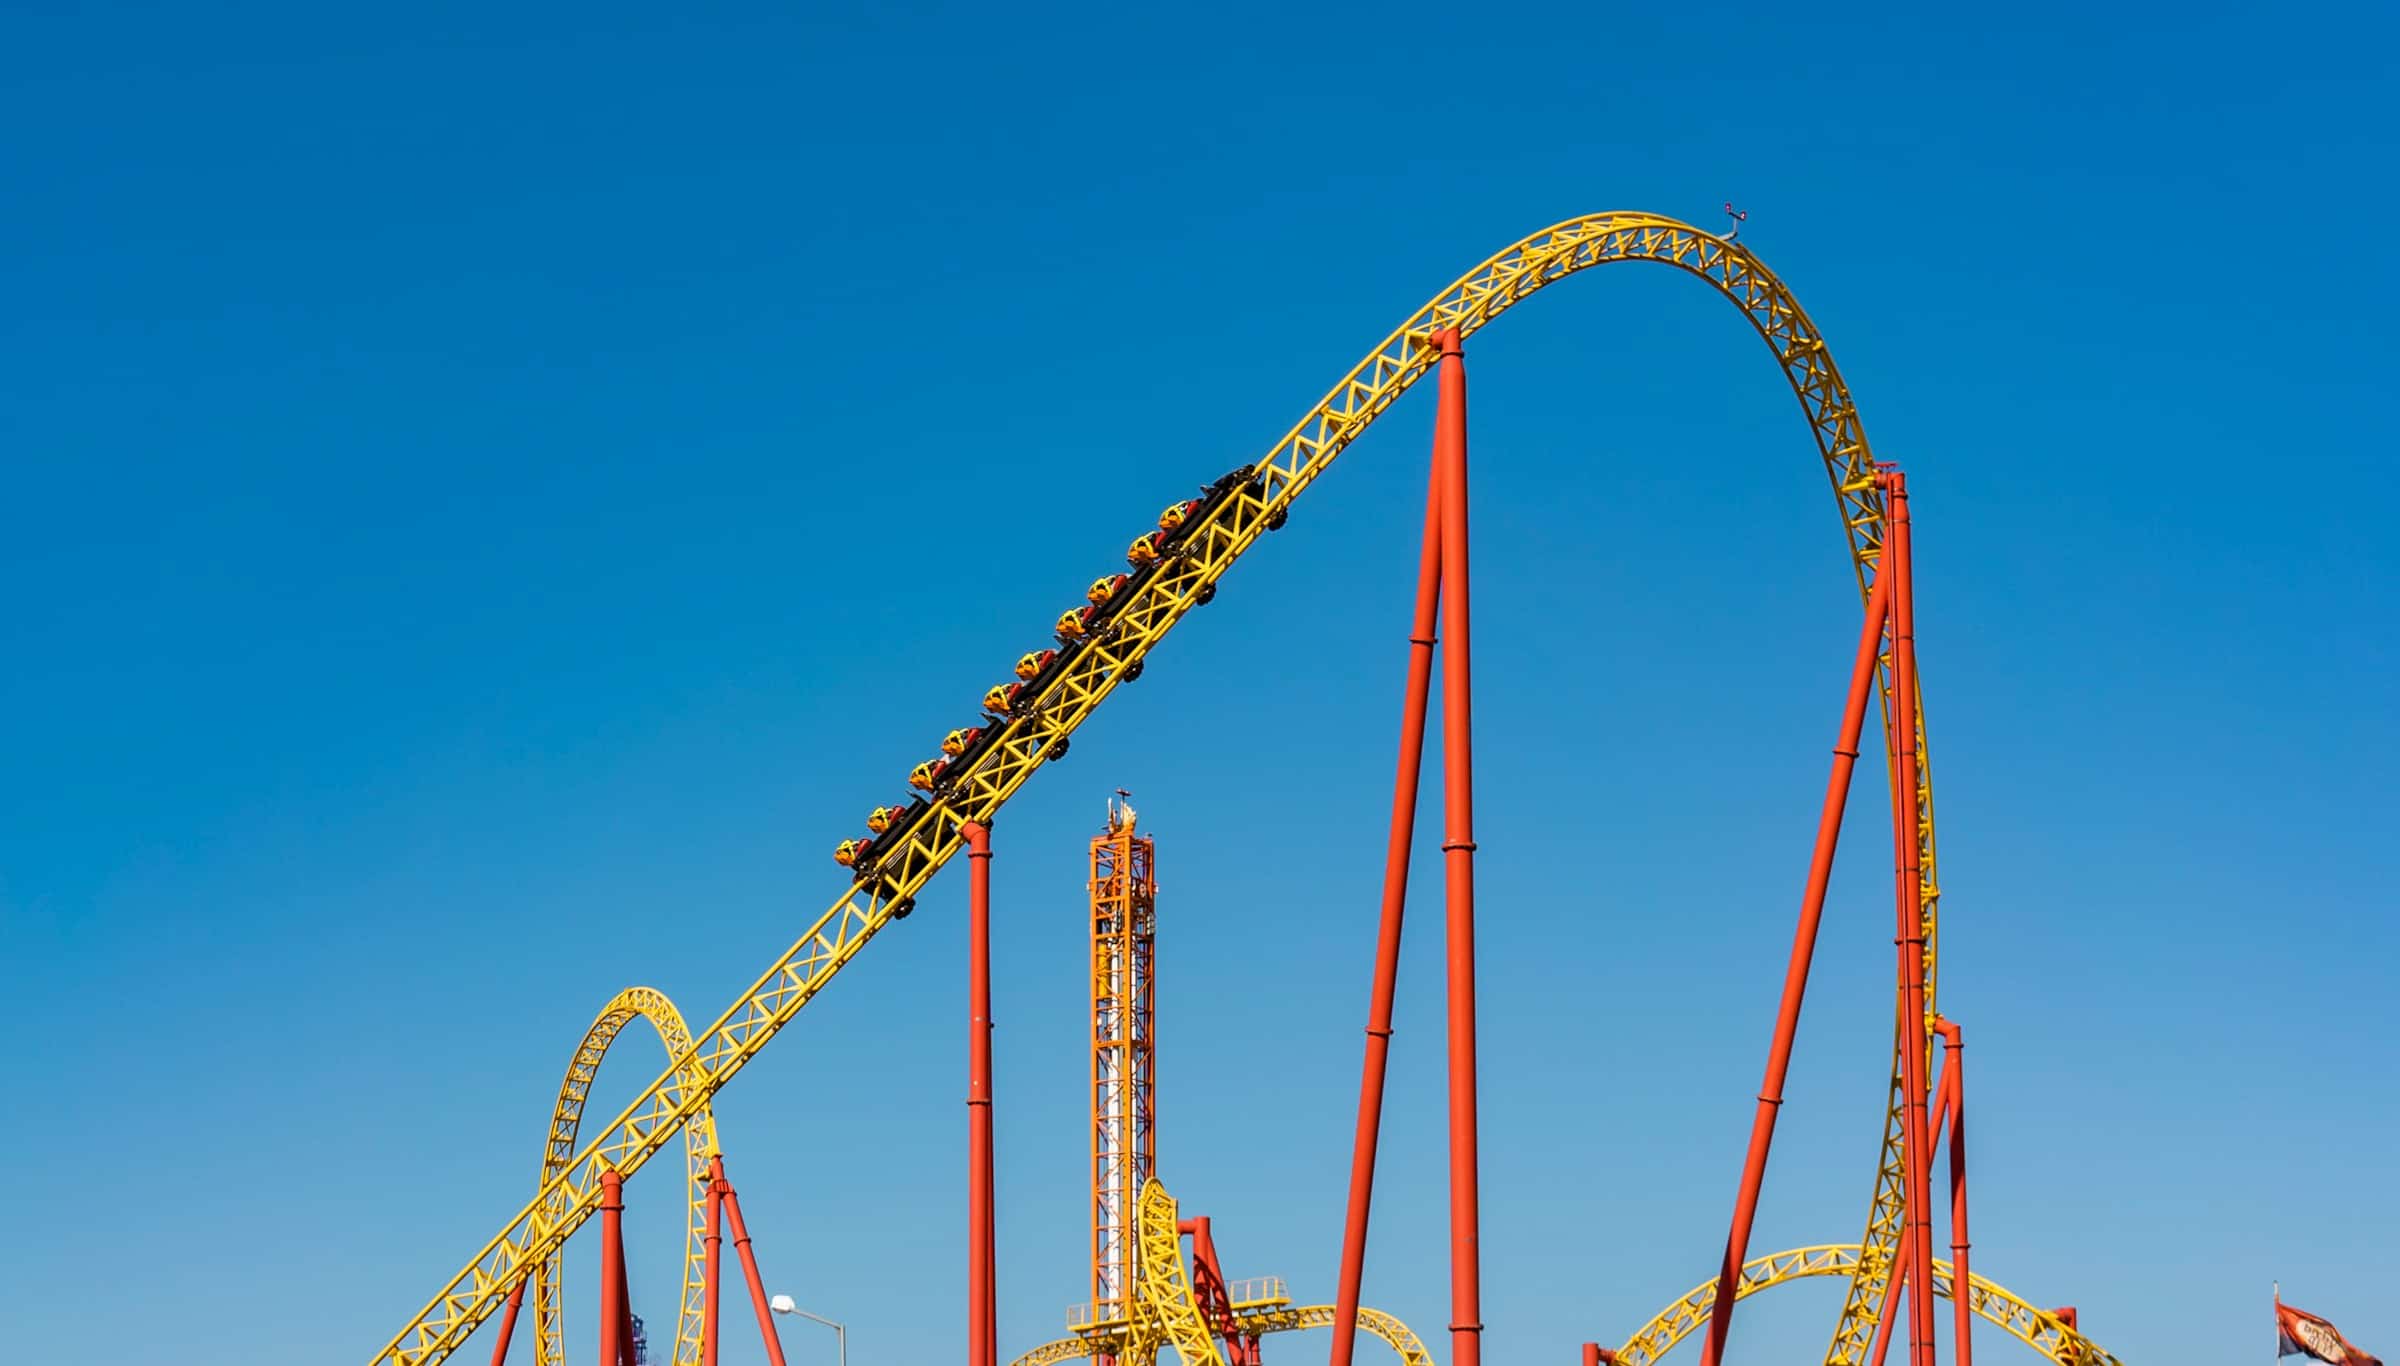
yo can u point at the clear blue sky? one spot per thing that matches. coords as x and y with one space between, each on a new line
494 496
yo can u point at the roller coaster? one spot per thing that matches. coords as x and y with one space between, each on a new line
1182 1304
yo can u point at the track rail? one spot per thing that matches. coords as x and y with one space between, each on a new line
700 1144
1039 729
1283 1319
2036 1328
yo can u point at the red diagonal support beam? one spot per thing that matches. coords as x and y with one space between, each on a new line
758 1289
1795 973
1387 939
508 1324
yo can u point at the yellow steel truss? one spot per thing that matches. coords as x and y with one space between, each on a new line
1186 578
1162 1312
699 1143
2036 1328
1282 1319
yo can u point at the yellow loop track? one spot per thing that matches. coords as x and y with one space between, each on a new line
680 1094
699 1144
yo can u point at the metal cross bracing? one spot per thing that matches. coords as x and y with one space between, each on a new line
1037 719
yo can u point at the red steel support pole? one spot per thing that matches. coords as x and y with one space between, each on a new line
982 1319
1942 1105
1795 973
1891 1299
758 1291
1954 1090
627 1350
612 1268
508 1322
1910 940
1458 854
713 1274
1387 938
1591 1354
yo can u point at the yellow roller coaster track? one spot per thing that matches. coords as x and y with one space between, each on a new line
1164 1313
1037 731
2036 1328
699 1143
1391 1331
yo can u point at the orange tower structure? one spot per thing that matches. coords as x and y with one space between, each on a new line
1124 891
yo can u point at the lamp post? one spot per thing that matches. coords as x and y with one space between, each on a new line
782 1304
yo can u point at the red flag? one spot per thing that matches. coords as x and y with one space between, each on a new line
2298 1332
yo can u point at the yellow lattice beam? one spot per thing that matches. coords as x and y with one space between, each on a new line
700 1144
2036 1328
1281 1319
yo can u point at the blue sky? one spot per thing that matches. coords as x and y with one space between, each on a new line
495 497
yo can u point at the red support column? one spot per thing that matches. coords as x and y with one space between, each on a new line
2065 1314
712 1279
1458 854
758 1291
1910 939
1795 974
1891 1299
627 1351
1591 1354
612 1269
1954 1090
508 1322
1899 1279
1387 938
982 1316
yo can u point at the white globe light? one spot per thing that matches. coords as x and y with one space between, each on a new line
783 1304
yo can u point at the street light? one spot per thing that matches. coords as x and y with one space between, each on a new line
782 1304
